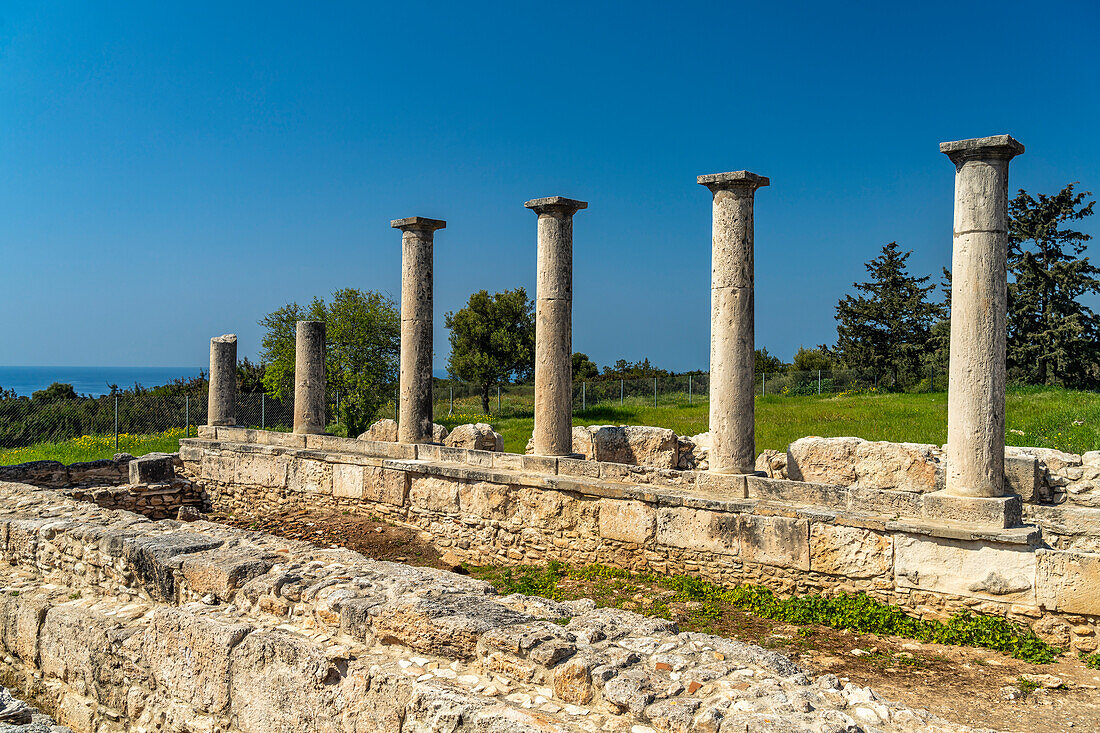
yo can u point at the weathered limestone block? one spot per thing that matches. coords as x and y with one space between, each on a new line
635 444
779 541
486 499
222 572
555 510
152 468
1055 461
479 436
905 466
966 568
852 552
446 624
37 473
155 559
772 463
190 654
1024 477
627 521
82 648
824 460
434 493
857 462
21 617
698 529
1069 581
384 429
372 483
309 477
249 469
280 682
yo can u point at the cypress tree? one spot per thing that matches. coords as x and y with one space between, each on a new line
1052 336
886 327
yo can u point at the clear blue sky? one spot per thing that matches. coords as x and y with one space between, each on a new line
172 173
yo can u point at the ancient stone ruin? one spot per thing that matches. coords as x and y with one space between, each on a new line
116 622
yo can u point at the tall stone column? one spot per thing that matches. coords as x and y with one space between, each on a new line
974 488
309 377
554 325
221 401
415 409
732 331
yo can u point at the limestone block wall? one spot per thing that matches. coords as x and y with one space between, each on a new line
114 623
796 537
56 475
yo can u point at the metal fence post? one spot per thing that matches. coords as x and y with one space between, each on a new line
584 396
655 391
763 383
818 382
396 400
931 378
622 391
116 423
263 410
498 399
187 416
689 390
452 410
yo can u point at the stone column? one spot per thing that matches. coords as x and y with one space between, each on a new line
974 488
732 334
221 401
554 325
415 409
309 377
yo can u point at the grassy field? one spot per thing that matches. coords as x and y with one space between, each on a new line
1048 418
92 447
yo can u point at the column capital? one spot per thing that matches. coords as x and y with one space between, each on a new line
418 224
225 338
556 205
733 180
995 147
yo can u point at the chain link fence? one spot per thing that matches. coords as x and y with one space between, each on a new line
26 422
455 398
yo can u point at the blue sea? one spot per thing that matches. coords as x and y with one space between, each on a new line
93 381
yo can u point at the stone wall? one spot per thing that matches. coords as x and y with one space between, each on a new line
793 536
56 475
113 623
146 485
1042 476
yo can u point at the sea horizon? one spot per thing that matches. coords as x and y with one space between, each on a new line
90 380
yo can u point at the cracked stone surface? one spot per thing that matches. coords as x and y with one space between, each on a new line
114 622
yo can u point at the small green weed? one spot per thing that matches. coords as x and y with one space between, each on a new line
1092 661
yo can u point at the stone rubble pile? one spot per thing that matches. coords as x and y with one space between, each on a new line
129 624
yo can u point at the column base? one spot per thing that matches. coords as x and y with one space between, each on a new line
974 511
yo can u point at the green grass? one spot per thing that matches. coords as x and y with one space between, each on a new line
856 612
92 447
1042 417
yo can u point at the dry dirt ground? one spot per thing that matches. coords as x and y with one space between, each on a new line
974 686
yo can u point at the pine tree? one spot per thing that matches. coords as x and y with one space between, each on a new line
887 326
1052 336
